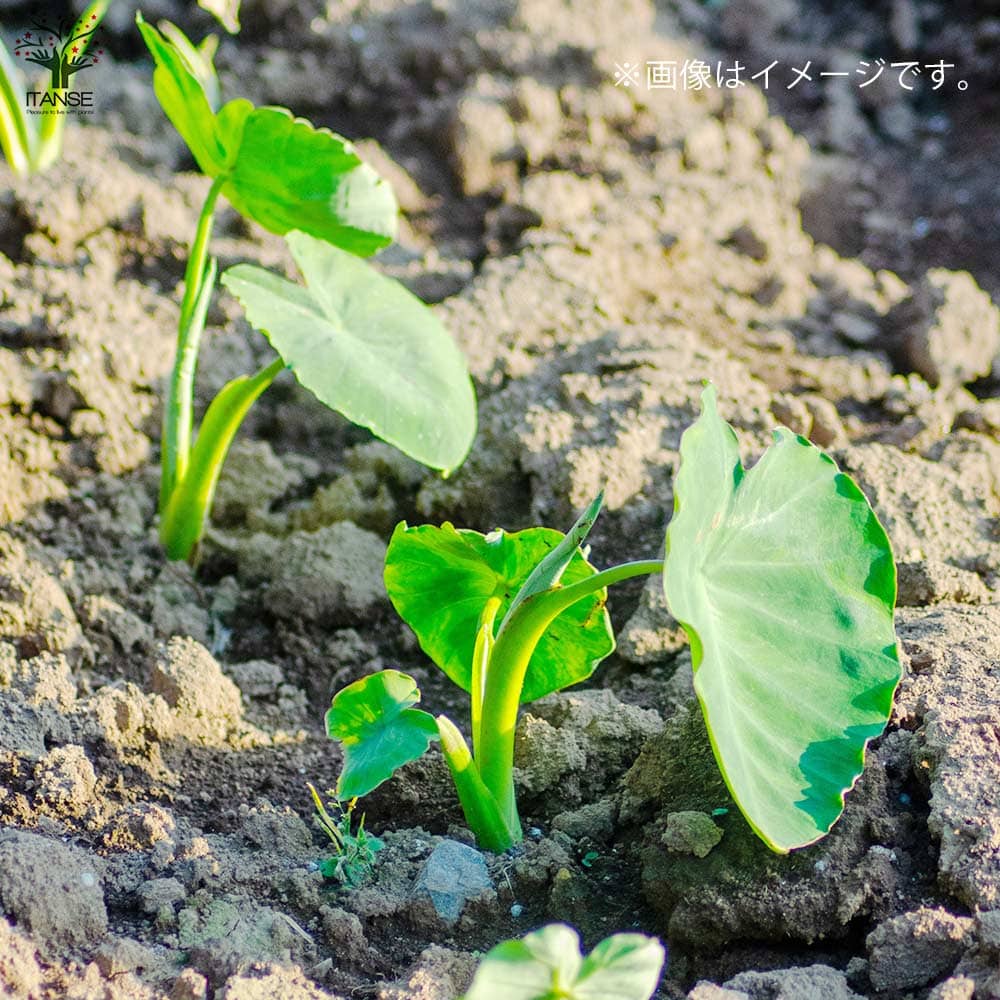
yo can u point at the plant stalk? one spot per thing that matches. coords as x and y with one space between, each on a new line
18 136
512 652
478 804
481 665
199 280
182 521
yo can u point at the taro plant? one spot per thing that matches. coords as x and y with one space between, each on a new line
547 965
781 576
355 338
32 140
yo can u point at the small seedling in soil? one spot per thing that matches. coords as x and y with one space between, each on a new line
354 848
358 340
34 142
547 965
781 576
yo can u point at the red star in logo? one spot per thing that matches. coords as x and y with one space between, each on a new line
76 48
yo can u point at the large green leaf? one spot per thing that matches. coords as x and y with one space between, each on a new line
366 347
375 721
784 581
289 175
547 965
439 579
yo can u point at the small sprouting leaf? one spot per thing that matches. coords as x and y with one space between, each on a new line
366 347
331 868
380 731
199 59
549 571
547 964
227 13
183 99
784 581
288 175
439 579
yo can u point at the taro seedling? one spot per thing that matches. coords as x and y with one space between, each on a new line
547 965
781 576
32 142
359 341
354 848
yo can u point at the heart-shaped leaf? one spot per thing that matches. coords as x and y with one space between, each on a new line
547 964
366 347
288 175
439 580
380 731
784 581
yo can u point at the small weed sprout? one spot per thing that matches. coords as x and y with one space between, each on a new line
354 847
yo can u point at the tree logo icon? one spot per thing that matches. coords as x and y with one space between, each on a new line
64 47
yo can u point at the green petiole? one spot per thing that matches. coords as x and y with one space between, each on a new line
199 283
182 520
515 645
482 811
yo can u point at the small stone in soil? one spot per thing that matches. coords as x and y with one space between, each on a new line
189 985
814 982
451 876
955 988
51 890
709 991
916 948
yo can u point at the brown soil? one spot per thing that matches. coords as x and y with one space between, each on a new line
597 251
